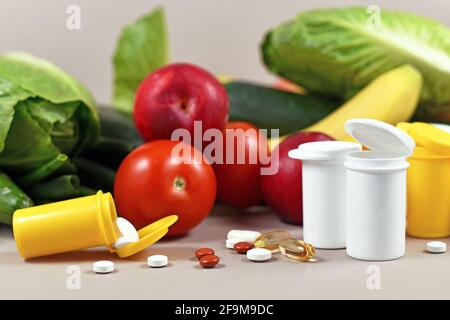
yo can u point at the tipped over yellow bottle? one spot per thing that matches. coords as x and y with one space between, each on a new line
77 224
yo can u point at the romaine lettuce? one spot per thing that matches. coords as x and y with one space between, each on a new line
336 52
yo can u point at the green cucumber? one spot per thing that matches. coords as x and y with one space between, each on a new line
118 137
11 199
269 108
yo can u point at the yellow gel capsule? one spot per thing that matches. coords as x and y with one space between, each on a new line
297 249
271 240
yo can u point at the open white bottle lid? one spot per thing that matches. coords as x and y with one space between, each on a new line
380 136
324 150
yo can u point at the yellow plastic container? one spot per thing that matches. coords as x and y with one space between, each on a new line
78 224
428 182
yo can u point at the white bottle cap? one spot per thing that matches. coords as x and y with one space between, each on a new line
381 136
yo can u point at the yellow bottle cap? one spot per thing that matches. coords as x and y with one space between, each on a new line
430 137
147 236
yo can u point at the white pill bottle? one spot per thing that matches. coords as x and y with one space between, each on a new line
376 190
324 191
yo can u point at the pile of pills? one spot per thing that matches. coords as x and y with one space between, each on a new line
256 246
206 257
260 247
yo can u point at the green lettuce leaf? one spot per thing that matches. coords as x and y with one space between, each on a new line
44 80
336 52
141 48
10 95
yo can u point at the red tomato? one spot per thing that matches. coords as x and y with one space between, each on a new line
239 184
151 184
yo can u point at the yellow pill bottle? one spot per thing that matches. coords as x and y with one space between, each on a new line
77 224
428 182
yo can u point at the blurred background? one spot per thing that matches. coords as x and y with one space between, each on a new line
220 35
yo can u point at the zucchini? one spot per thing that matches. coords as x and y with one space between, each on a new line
11 199
118 137
269 108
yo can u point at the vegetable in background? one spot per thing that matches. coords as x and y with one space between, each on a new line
11 199
269 108
141 48
336 53
46 118
391 97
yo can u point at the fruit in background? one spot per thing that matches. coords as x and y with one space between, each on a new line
392 98
286 85
239 184
174 97
150 184
283 190
224 78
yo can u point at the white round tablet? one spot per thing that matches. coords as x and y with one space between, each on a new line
127 229
229 243
259 254
436 246
157 261
103 266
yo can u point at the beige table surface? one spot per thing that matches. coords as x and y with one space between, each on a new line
334 275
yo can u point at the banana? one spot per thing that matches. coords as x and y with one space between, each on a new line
391 97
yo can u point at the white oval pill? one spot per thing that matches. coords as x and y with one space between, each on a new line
157 261
229 243
436 246
244 235
127 229
259 254
103 266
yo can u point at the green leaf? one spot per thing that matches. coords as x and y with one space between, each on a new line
46 81
62 187
28 145
141 48
10 95
336 52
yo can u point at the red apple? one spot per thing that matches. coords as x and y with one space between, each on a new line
174 97
283 190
